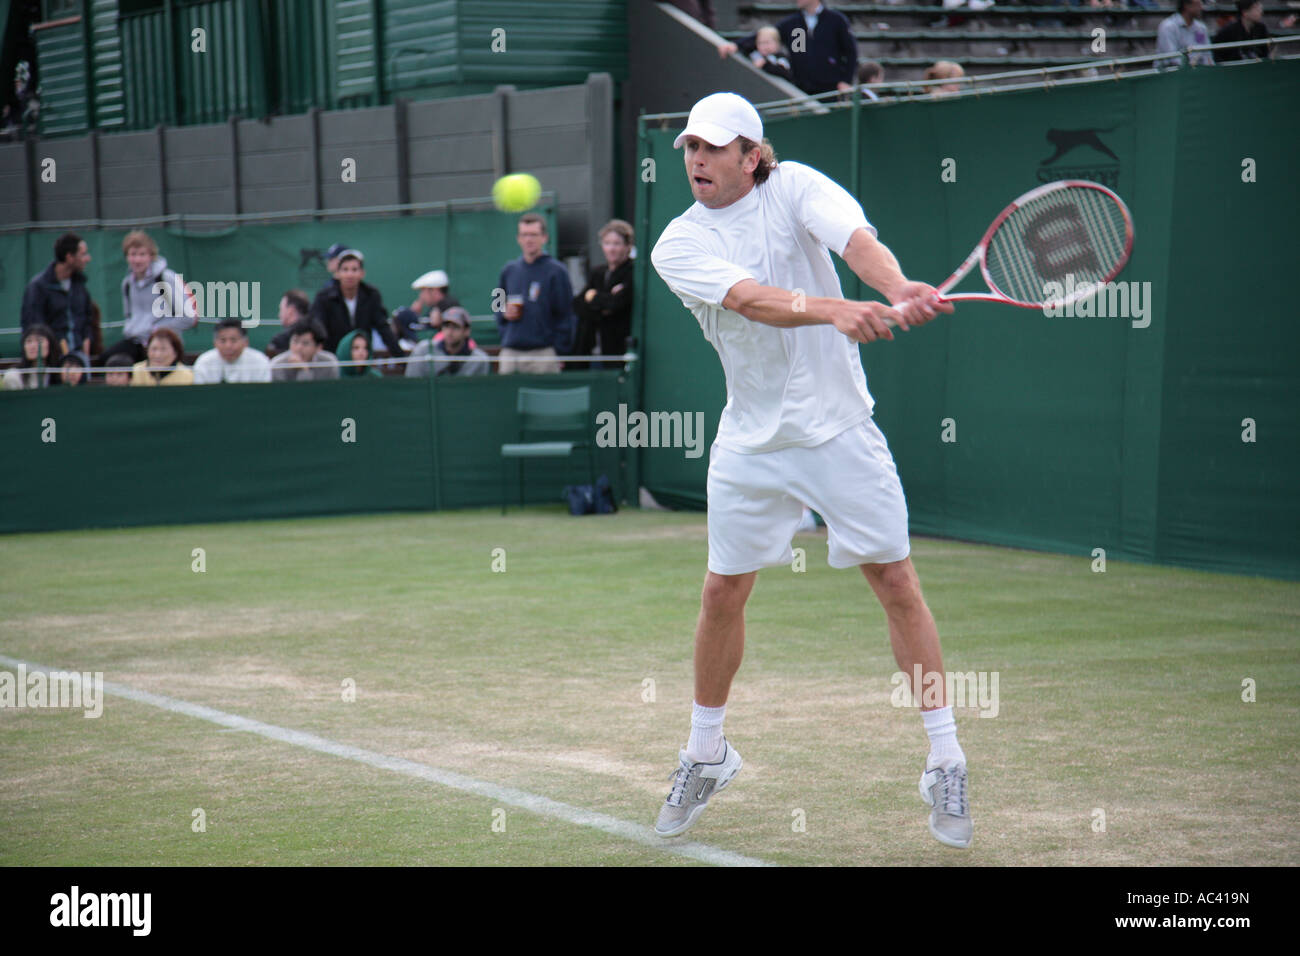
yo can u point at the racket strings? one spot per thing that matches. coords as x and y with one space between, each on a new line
1072 238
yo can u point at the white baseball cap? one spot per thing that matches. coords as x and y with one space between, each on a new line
721 117
437 279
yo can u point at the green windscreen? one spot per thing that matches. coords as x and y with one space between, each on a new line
1157 420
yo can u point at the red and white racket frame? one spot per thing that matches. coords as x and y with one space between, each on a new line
979 252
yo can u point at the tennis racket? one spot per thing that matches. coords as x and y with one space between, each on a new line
1053 246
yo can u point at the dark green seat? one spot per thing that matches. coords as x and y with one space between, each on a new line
549 414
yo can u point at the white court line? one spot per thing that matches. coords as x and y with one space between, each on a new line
542 806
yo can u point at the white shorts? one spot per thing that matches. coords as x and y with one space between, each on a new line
755 502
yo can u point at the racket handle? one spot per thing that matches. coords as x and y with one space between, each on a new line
934 300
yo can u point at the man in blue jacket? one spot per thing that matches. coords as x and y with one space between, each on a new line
823 51
538 321
58 298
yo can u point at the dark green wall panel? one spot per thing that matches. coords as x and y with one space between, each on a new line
134 456
61 54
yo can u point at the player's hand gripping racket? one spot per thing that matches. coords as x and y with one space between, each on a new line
1053 246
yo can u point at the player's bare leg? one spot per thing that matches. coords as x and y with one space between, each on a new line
708 763
720 635
912 631
915 640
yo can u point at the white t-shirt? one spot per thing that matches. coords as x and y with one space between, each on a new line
251 366
785 387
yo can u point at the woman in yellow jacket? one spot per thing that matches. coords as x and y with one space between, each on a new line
165 351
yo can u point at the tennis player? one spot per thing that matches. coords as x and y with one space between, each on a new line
751 260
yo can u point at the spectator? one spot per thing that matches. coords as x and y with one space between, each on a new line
454 341
944 70
39 348
117 370
144 308
823 54
869 71
1247 25
355 347
58 299
305 341
332 256
701 10
604 307
537 324
19 118
767 54
230 359
1180 30
426 311
293 309
349 303
162 364
75 369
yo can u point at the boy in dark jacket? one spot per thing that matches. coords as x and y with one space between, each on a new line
348 303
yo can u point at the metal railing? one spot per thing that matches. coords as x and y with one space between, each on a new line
181 219
983 84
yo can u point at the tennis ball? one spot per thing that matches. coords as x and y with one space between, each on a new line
516 192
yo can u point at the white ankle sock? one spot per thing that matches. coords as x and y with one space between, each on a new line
705 744
942 730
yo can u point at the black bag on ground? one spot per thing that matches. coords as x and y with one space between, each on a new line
586 500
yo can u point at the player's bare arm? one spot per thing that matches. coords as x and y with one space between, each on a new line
785 309
873 263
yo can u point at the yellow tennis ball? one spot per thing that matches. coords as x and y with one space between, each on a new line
516 192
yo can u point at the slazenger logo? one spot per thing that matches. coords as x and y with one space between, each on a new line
102 909
1066 141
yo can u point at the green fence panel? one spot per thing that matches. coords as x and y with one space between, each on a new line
532 44
1234 344
420 45
212 453
61 57
148 87
1071 433
108 457
301 61
106 56
353 40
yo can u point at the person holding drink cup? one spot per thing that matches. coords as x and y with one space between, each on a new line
538 323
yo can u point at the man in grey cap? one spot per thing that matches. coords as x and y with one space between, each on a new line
751 259
451 353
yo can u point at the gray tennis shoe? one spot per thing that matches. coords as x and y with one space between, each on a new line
693 785
944 789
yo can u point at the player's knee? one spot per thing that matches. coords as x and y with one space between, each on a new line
725 593
896 585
